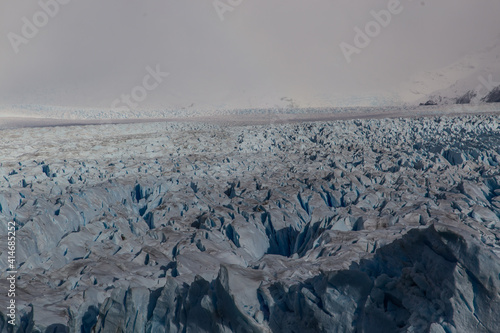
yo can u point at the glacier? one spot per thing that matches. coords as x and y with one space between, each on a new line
366 225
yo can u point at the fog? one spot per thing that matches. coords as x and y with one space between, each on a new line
249 53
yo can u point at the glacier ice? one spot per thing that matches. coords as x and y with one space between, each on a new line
372 225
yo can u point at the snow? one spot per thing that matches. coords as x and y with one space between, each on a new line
477 72
43 115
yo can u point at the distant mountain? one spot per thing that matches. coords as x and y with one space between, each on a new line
473 79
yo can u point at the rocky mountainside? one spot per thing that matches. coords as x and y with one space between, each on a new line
473 79
381 225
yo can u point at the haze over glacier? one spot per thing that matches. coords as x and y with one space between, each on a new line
264 54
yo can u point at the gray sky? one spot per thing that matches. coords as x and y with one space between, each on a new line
91 52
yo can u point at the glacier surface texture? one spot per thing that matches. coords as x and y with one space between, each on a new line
374 225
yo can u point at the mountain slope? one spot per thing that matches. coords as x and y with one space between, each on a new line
470 80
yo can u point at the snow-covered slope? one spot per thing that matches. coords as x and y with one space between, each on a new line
468 80
385 225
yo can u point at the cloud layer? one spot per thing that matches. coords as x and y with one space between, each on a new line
92 52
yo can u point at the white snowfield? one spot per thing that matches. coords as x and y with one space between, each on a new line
371 225
47 115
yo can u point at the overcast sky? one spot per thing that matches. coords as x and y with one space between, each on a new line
93 51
